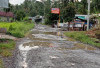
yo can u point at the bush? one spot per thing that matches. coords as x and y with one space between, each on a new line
11 28
17 29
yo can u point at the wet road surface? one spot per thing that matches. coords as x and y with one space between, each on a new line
43 48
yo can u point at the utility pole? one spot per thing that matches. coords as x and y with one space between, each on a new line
44 11
88 14
43 1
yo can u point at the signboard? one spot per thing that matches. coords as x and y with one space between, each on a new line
4 3
55 10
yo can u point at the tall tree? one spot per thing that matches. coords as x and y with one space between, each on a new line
84 7
95 6
69 12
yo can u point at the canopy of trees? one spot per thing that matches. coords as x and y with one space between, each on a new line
68 9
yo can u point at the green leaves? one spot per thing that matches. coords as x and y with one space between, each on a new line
82 37
69 12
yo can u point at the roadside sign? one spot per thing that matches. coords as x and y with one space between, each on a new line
55 10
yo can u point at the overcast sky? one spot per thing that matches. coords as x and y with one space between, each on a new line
17 1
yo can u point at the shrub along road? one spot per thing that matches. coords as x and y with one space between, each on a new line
42 48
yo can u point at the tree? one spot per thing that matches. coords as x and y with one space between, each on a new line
84 7
10 9
47 12
69 12
20 15
52 19
95 6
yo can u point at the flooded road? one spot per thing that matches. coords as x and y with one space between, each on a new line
43 48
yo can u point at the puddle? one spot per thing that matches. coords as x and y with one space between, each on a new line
44 36
78 46
35 32
30 36
31 44
51 33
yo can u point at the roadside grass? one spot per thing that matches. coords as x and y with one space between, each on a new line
17 29
6 47
1 64
82 37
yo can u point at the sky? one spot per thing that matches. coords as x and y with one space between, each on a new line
18 1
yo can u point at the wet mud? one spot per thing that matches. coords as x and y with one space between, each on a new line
45 48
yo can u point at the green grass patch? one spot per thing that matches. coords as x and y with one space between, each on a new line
17 29
6 46
1 64
81 36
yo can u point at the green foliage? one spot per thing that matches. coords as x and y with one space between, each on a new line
17 29
51 19
81 36
20 15
6 53
84 7
6 46
11 28
81 7
1 64
9 9
33 8
28 8
95 6
26 19
69 12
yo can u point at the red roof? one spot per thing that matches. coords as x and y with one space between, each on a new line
6 14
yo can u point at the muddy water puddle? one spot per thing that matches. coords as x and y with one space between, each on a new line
38 43
50 37
78 46
51 33
38 39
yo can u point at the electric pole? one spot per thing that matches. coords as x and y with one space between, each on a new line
88 14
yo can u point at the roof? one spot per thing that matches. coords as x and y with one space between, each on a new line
6 14
81 16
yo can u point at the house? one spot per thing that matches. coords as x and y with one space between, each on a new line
5 16
80 23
